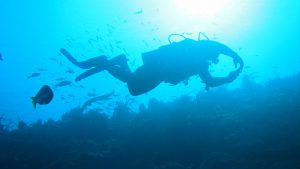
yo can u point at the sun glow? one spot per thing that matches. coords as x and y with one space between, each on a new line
200 8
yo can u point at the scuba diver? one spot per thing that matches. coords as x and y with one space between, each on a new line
171 63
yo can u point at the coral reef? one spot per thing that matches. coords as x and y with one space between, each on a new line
252 127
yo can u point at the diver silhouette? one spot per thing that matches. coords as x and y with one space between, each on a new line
171 63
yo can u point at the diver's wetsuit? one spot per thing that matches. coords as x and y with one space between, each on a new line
181 60
171 63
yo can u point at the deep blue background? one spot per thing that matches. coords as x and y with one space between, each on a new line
265 33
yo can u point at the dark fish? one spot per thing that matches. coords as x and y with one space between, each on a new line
44 96
33 75
1 58
63 83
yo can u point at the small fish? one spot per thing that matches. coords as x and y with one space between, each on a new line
154 29
54 59
111 48
44 96
69 40
91 94
146 44
118 42
41 69
139 12
70 95
109 33
100 50
69 70
63 83
188 33
60 79
90 41
1 58
110 26
33 75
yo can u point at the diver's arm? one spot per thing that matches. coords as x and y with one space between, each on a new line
223 49
211 81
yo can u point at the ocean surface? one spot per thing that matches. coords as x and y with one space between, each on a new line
251 123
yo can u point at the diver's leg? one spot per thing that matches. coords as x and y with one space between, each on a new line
119 72
99 61
140 81
120 60
119 68
143 80
116 66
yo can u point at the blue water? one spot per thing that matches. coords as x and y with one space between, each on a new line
264 33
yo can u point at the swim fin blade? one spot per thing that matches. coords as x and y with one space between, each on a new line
88 73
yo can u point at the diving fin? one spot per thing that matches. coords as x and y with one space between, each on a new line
69 57
89 73
87 64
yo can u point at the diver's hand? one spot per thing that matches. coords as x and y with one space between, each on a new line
206 87
233 75
238 60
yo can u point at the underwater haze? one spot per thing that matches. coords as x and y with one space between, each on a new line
251 123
